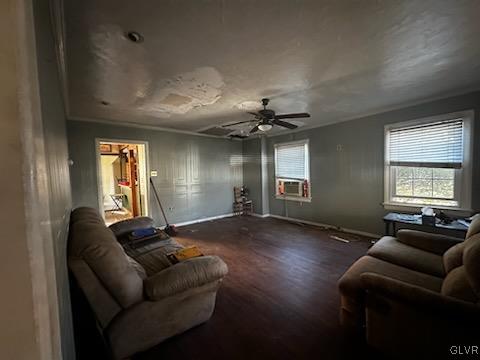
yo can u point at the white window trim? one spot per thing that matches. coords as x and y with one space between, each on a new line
294 198
307 170
465 197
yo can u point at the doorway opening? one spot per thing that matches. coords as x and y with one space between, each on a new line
122 179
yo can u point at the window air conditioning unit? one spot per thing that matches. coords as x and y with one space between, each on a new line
292 188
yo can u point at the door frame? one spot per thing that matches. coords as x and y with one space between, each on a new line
99 169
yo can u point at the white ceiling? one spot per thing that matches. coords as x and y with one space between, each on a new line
202 63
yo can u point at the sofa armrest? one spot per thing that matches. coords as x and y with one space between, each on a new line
434 243
404 319
422 300
187 274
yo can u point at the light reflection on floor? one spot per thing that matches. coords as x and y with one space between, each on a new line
116 215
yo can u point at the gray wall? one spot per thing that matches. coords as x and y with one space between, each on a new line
35 311
252 172
57 172
347 185
19 336
196 175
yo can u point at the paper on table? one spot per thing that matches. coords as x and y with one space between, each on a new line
428 211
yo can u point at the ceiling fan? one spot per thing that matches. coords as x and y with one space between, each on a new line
265 119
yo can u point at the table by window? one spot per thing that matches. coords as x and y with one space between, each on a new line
392 219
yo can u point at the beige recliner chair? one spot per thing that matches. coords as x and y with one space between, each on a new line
417 294
139 305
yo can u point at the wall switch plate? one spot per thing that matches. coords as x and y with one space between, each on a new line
153 173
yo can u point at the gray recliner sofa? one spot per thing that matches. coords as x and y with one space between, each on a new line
139 300
416 295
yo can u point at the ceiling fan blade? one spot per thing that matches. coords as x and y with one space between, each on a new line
284 124
254 130
238 123
256 114
292 116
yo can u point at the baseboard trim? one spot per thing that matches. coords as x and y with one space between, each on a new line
260 215
196 221
328 226
263 216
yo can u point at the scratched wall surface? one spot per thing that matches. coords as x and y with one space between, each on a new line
57 171
347 181
196 174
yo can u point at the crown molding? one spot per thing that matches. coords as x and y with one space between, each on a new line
146 127
257 136
379 111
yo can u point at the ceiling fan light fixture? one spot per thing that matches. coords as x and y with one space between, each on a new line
264 127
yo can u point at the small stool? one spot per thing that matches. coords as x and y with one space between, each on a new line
117 200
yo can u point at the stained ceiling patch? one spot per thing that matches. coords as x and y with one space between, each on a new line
189 65
186 91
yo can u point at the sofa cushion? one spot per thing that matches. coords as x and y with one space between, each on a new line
101 301
185 275
434 243
350 284
453 257
96 245
86 214
153 257
471 261
457 285
474 227
395 252
138 268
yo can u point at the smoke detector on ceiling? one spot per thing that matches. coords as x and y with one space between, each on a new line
134 36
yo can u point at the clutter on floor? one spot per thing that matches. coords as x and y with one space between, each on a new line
242 205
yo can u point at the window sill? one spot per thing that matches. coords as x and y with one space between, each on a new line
293 198
417 208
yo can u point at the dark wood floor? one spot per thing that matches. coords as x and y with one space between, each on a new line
279 300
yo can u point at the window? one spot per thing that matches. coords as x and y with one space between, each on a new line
428 162
292 175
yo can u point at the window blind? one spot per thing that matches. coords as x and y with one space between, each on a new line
290 161
438 144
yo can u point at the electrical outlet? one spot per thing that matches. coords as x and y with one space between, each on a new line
339 147
171 208
153 173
